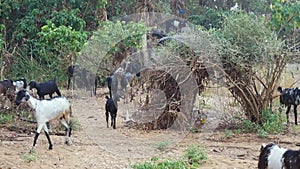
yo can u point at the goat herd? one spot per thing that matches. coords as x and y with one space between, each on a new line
272 156
55 108
45 110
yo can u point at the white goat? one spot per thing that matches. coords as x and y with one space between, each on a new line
47 110
20 84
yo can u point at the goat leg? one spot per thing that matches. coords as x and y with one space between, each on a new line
49 141
58 92
114 126
70 131
69 81
287 114
295 114
106 114
35 138
112 120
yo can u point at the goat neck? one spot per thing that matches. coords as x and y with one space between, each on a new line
32 101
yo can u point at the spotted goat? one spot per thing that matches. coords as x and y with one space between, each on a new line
272 156
289 97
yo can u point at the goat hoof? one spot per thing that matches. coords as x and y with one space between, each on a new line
50 147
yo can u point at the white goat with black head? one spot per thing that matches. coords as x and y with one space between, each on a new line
47 110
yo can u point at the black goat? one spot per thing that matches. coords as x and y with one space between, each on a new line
157 33
289 97
70 73
6 85
112 108
276 157
46 88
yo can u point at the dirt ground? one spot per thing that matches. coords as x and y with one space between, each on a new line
96 146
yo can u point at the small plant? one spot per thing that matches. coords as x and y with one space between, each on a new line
196 130
196 156
228 133
74 123
237 131
249 127
162 146
262 133
6 118
31 157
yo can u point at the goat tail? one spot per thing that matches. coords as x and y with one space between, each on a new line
279 89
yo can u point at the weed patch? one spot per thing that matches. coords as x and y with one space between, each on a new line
193 158
6 118
272 123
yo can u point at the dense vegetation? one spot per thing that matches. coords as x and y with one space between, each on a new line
39 39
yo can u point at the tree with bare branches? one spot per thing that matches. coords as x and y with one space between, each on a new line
253 59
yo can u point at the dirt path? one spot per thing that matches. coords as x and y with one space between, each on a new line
96 146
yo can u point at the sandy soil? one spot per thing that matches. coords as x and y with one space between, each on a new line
96 146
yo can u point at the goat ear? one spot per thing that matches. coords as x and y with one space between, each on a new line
262 146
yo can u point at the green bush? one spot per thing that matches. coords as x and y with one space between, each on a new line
272 123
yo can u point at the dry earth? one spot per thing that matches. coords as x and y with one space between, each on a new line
96 146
